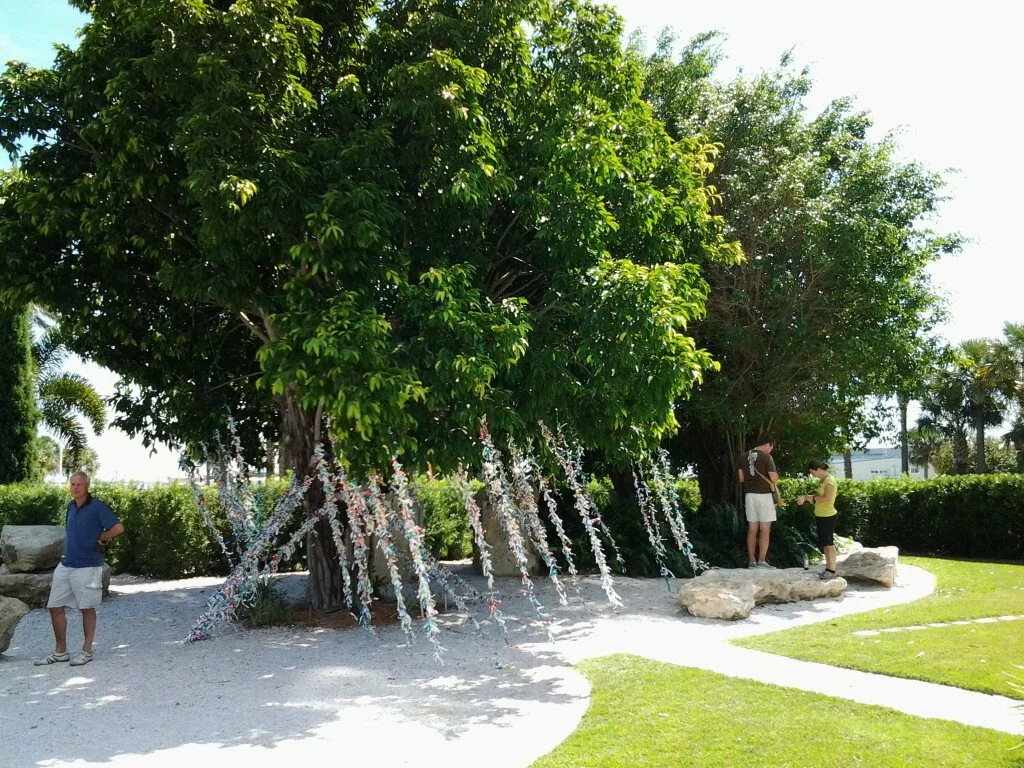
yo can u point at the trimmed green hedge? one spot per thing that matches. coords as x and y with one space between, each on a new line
165 537
975 516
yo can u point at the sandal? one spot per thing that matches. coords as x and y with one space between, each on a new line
53 658
81 659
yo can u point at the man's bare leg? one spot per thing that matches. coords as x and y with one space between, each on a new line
751 542
89 628
763 531
59 620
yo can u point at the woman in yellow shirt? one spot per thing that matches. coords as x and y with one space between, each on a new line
825 514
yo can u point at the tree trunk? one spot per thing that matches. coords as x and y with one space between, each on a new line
848 463
960 459
270 459
902 403
979 447
714 454
623 488
299 437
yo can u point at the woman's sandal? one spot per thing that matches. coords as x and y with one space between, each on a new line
53 658
81 659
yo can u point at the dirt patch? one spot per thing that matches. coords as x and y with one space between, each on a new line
382 614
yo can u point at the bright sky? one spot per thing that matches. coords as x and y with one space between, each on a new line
941 75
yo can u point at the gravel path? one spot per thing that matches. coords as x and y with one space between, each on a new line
292 697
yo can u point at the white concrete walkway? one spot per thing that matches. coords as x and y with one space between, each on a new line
704 644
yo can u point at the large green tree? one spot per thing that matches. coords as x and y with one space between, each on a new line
18 414
400 216
832 303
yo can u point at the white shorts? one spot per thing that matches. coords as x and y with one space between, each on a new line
760 508
76 587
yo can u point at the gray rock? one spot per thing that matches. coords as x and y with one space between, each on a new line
876 565
732 593
503 561
33 589
28 548
718 600
11 612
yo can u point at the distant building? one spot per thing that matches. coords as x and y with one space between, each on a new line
875 463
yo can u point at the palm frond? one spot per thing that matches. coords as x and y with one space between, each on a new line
67 429
70 396
49 343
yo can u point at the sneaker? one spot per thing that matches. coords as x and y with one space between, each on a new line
827 575
763 564
81 659
751 564
53 658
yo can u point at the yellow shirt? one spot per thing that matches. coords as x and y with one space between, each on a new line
826 508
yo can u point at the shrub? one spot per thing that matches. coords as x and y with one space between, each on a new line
445 521
32 504
974 516
165 537
267 609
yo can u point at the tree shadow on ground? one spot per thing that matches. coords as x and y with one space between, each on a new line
147 693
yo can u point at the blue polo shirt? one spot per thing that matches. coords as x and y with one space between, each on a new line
83 527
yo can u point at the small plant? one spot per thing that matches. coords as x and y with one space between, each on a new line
268 608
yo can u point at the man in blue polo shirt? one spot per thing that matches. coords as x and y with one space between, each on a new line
78 579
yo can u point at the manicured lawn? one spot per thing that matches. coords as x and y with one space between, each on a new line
645 713
978 657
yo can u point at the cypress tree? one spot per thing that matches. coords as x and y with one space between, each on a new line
18 414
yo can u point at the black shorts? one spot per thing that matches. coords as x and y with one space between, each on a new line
826 531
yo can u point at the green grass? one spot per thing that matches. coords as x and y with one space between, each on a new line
978 657
645 713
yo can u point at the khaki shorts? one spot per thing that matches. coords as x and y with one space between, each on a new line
760 508
76 587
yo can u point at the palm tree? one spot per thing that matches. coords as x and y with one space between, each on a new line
991 378
1013 342
944 409
68 403
924 443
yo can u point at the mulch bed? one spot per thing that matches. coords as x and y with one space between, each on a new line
382 614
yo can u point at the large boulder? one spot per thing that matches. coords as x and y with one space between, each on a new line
503 559
11 612
732 593
28 548
33 589
870 564
718 600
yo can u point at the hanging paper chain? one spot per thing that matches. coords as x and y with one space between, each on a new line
386 544
563 539
666 484
584 506
475 522
403 506
240 585
525 500
497 494
650 522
